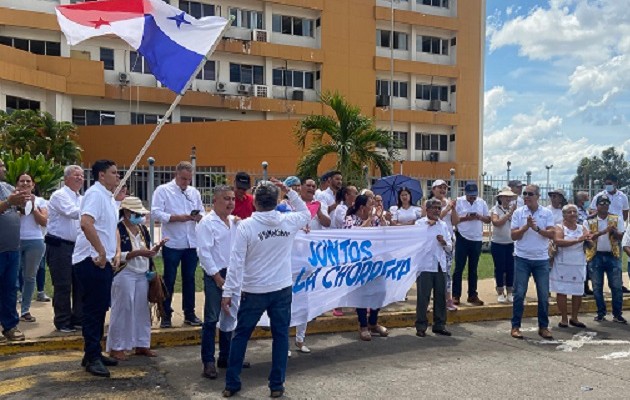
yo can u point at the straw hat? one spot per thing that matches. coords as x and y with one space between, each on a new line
133 204
506 191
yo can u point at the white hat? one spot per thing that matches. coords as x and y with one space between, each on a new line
133 204
438 182
506 191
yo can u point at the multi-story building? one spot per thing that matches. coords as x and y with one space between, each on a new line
266 73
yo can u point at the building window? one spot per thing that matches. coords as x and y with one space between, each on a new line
250 74
107 57
196 119
137 63
41 47
208 72
141 119
197 9
293 25
247 18
93 117
434 3
400 139
431 142
432 45
431 92
296 79
401 89
18 103
383 39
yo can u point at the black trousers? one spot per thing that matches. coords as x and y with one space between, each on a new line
427 282
66 301
466 250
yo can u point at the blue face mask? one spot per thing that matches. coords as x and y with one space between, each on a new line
136 219
587 204
610 188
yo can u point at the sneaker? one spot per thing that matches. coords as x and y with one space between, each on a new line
337 312
625 290
599 318
502 298
289 355
66 329
13 335
166 323
27 317
475 301
193 321
41 296
450 305
620 320
302 348
510 298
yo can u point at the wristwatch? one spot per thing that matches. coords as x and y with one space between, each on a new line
537 228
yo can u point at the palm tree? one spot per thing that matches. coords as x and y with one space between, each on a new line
351 136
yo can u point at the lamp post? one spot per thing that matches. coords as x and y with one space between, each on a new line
265 164
193 161
401 166
509 164
529 177
453 189
548 167
150 189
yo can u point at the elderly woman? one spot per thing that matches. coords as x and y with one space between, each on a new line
34 217
569 269
502 245
130 318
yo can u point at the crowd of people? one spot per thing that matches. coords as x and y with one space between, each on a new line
100 254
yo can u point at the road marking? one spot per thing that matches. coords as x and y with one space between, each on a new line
10 386
615 355
579 340
30 361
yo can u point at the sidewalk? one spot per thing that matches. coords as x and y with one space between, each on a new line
42 336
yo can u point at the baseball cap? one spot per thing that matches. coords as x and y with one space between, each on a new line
515 183
439 182
242 180
471 189
558 191
603 199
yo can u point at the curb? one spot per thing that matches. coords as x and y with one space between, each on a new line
403 319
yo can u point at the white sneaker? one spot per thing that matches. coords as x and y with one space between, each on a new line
303 348
510 298
289 353
502 298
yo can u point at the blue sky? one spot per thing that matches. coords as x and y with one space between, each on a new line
557 84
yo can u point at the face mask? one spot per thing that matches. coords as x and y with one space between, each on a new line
587 204
136 219
610 188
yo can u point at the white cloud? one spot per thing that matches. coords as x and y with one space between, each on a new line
494 99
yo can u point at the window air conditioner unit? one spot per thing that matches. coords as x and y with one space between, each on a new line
242 89
260 35
297 95
382 100
221 86
259 91
434 156
435 105
123 78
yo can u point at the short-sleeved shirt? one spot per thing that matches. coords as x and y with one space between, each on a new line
29 228
557 214
405 216
471 230
625 242
532 246
618 202
244 208
98 203
9 222
327 197
603 242
501 234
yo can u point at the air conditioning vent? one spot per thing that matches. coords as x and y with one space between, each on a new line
435 105
123 78
382 100
260 91
260 35
242 89
297 95
434 156
221 86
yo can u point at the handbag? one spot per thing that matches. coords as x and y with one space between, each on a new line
157 293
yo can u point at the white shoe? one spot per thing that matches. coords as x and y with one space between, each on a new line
289 353
502 298
303 348
510 298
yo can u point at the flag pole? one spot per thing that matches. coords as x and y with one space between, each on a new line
170 110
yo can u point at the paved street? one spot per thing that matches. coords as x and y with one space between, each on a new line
479 361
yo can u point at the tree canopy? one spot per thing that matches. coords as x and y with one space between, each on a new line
597 167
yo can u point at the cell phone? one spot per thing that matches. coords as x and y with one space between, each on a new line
195 212
472 214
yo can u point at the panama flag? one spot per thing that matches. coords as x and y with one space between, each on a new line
172 42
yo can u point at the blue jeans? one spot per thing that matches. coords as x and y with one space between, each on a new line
41 275
188 258
211 312
503 258
278 307
9 265
604 262
539 269
31 254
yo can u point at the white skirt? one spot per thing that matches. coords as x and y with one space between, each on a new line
130 318
567 278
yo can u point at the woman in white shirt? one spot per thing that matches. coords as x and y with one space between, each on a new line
405 213
130 318
34 216
502 245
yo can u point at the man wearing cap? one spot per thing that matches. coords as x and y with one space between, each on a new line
558 200
517 187
531 229
473 213
178 207
260 270
604 256
243 202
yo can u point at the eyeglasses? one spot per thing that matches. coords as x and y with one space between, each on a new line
186 196
526 194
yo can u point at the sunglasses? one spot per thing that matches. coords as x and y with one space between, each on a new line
527 194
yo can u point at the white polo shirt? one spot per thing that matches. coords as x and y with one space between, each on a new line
214 242
532 246
98 203
618 202
169 199
64 209
471 230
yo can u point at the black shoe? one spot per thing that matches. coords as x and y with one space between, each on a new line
588 292
442 332
192 321
625 289
66 329
97 368
210 371
166 323
620 320
421 333
600 318
108 361
224 364
229 393
276 393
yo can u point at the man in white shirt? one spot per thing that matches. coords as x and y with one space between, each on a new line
432 276
178 207
260 270
327 197
532 228
558 200
93 255
63 228
473 213
605 257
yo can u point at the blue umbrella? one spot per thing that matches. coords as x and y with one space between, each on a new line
389 186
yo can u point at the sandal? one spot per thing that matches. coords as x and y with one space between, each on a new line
118 355
379 330
144 351
364 334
